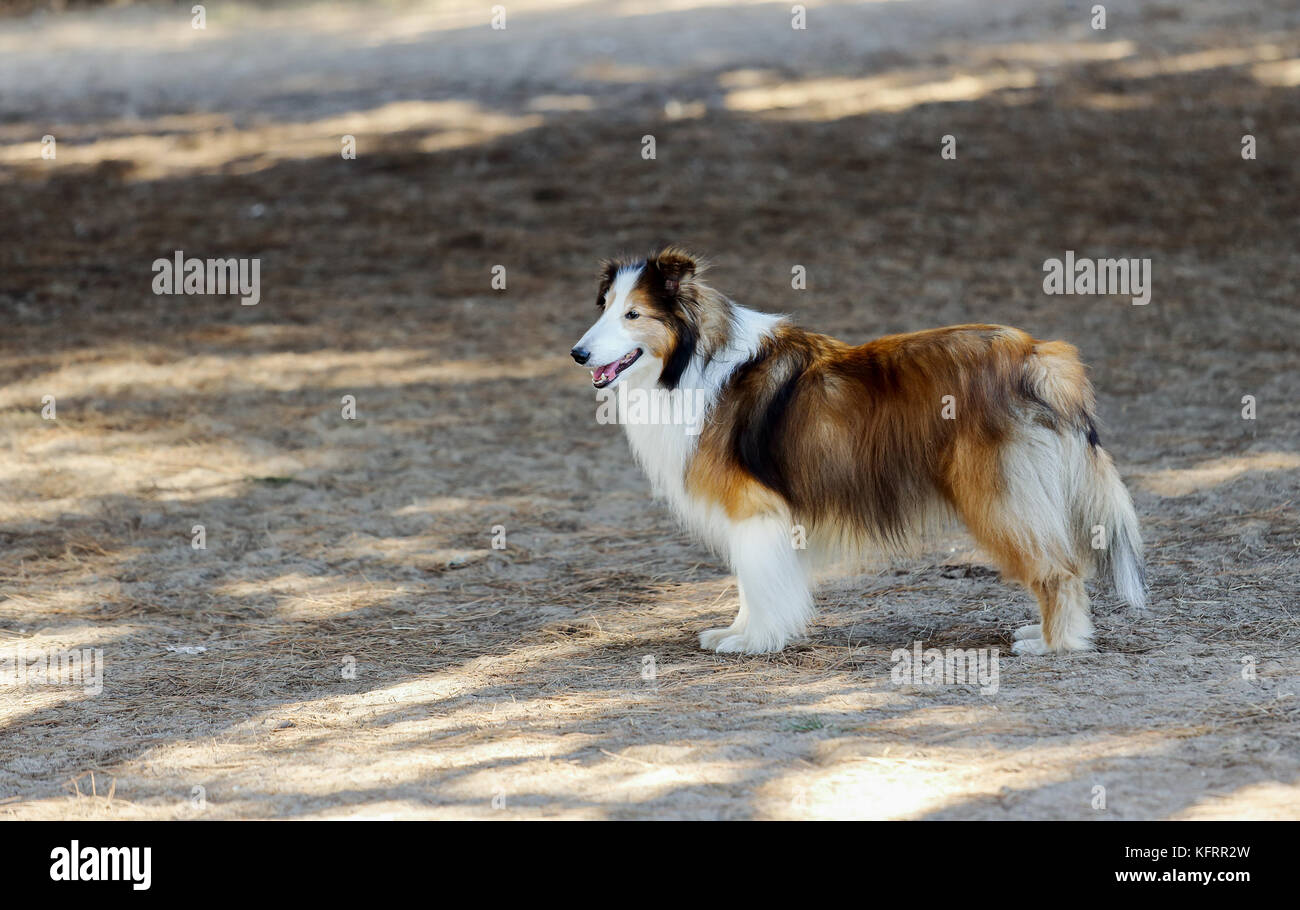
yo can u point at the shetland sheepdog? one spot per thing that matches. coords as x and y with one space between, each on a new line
808 451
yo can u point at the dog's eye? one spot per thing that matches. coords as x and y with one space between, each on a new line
632 315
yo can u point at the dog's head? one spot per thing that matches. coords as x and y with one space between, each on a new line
649 319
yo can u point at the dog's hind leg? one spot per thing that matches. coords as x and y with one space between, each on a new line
1065 614
1017 504
775 599
1066 625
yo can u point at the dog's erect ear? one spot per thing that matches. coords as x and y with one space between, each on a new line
608 268
676 266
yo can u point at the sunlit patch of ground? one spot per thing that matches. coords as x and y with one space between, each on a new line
824 99
1263 802
179 148
1216 472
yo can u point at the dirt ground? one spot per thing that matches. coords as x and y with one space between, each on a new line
367 653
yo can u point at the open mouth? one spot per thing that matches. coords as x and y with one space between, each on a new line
603 376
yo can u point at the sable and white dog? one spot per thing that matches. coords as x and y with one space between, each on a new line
806 439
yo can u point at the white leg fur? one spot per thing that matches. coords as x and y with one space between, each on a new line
775 600
1034 631
1030 646
1073 622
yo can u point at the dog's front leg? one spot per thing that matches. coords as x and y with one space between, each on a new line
775 600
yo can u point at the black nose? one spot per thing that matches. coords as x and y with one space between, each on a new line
581 355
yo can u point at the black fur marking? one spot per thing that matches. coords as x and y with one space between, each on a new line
1093 439
680 357
756 443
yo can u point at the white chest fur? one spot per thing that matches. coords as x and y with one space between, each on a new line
664 439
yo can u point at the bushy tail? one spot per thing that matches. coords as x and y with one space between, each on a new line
1103 515
1109 506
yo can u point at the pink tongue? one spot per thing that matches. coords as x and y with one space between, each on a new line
607 371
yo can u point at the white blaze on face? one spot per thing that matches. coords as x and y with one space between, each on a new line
610 339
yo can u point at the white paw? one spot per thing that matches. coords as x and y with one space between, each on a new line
1034 631
1030 646
730 641
710 639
